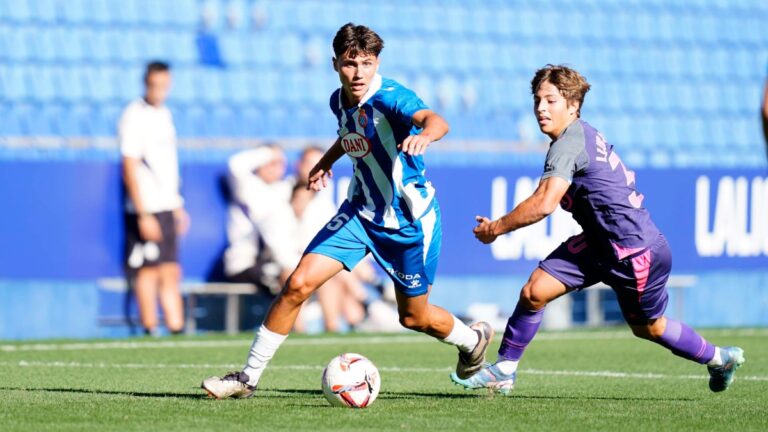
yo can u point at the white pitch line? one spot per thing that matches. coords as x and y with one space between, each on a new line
349 340
571 373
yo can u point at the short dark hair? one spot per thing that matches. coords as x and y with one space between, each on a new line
571 84
356 39
156 66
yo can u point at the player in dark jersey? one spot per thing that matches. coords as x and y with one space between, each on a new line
620 245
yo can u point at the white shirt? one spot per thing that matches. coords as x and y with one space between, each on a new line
258 210
146 132
263 211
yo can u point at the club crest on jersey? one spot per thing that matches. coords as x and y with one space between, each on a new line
356 145
362 118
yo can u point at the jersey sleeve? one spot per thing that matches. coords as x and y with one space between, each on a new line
404 103
129 135
565 158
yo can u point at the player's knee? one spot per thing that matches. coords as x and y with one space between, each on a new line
298 288
531 298
651 331
414 322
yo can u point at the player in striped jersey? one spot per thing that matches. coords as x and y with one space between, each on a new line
391 212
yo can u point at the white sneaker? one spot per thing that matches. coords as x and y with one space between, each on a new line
232 385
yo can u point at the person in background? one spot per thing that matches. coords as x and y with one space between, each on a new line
272 219
344 294
154 208
258 192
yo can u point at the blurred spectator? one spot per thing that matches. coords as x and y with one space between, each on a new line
272 220
259 197
154 212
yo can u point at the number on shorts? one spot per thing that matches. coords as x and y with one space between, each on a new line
338 221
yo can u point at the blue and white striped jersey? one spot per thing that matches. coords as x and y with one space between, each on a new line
389 188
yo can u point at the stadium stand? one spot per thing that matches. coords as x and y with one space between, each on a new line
671 78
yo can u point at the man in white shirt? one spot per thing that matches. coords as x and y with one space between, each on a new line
272 220
259 218
154 209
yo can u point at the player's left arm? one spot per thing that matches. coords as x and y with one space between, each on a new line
433 127
541 204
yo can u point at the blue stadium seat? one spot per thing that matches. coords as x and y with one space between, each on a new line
252 121
125 45
17 11
151 46
197 123
74 11
684 98
10 122
260 50
102 12
709 98
233 50
14 45
37 120
100 84
695 134
98 46
183 124
721 133
67 45
645 132
184 89
740 130
14 82
224 123
126 12
266 87
185 13
127 81
70 85
239 88
102 119
40 80
68 120
209 85
290 49
45 11
180 47
279 15
660 95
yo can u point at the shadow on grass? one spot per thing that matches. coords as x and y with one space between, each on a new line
271 393
110 392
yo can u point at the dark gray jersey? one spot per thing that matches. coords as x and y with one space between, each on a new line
602 196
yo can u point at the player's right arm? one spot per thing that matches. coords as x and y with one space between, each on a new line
132 148
149 227
541 204
320 173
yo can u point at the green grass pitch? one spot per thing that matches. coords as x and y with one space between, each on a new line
582 380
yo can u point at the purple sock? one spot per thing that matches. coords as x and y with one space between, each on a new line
686 343
521 328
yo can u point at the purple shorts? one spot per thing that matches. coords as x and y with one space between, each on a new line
639 280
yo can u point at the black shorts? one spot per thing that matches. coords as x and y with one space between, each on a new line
139 254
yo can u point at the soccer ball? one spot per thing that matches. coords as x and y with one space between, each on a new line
351 380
